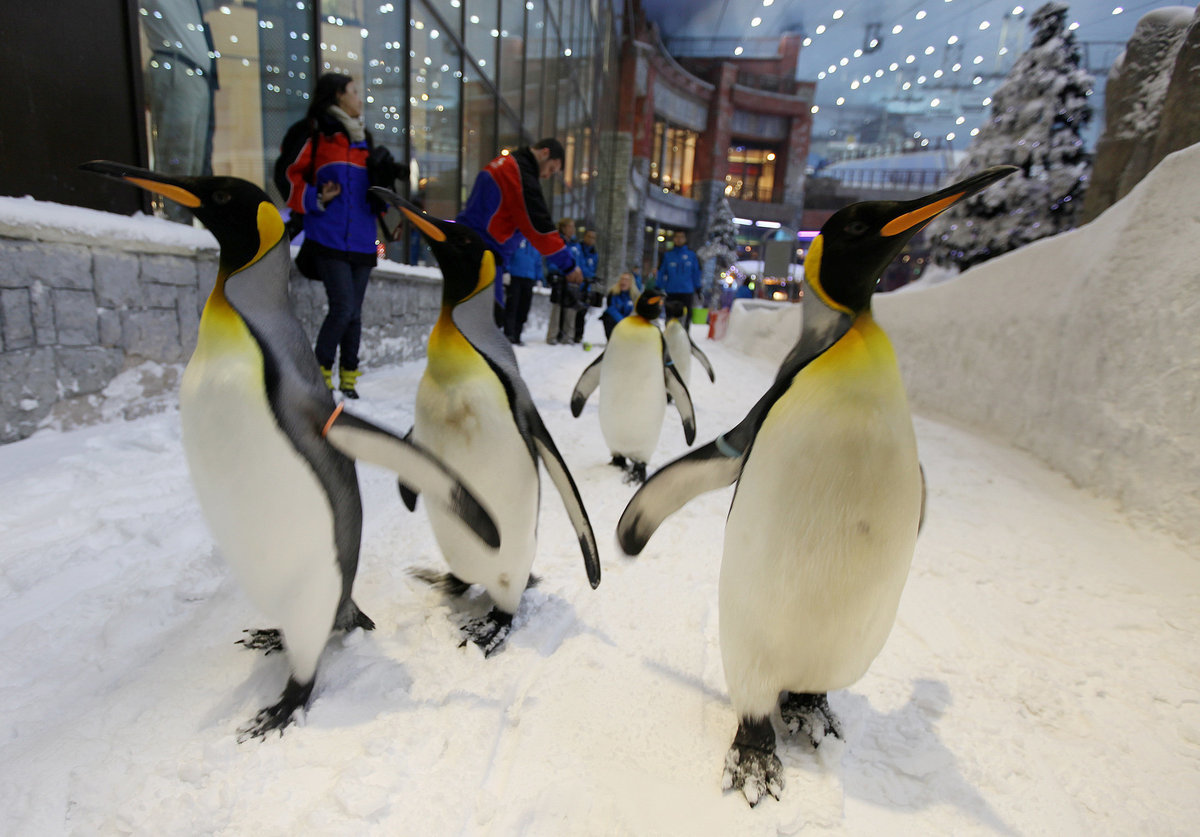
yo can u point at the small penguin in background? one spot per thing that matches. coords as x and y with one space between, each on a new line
632 399
830 497
270 454
680 344
474 410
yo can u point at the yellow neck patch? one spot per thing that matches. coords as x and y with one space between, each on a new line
270 230
812 274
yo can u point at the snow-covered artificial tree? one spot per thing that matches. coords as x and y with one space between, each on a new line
719 250
1038 115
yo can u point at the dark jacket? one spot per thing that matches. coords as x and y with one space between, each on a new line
507 199
346 225
680 271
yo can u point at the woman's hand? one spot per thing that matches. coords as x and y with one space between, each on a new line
329 190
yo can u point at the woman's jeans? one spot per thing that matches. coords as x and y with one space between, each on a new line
345 285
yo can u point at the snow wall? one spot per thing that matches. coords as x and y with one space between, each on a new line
1083 349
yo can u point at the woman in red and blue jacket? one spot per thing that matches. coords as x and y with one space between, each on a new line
329 186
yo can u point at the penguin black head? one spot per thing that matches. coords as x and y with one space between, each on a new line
855 245
468 266
674 308
239 214
649 305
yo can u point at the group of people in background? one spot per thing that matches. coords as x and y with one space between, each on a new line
328 181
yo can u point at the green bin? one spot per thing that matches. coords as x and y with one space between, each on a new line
699 316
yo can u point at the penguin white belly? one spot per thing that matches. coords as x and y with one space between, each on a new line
633 396
680 348
822 529
463 417
267 511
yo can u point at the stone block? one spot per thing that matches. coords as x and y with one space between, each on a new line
168 270
117 284
189 320
42 305
152 334
16 313
54 265
76 318
88 370
110 328
155 295
28 390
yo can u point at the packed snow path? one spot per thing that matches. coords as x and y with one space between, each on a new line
1043 676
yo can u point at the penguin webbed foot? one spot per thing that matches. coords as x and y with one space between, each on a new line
350 617
635 474
810 714
751 765
267 640
280 715
489 632
618 461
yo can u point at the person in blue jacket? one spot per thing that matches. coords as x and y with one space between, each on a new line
620 303
587 263
524 270
679 274
329 186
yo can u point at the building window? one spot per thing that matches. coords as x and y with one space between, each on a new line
673 157
751 173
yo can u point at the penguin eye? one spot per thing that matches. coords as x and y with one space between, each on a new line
221 197
856 228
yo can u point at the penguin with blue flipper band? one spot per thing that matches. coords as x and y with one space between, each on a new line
475 411
680 344
270 455
632 400
829 498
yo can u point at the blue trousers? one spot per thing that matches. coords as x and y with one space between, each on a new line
345 285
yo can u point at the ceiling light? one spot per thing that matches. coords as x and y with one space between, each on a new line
974 132
841 100
737 51
844 62
858 53
854 85
821 29
814 109
960 120
1017 10
984 25
755 21
950 137
921 14
893 66
837 15
879 74
808 41
897 29
910 59
1118 10
952 40
929 50
820 75
1073 26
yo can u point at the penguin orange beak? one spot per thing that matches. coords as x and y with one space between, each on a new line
917 213
151 181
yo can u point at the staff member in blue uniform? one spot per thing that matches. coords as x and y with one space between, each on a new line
679 274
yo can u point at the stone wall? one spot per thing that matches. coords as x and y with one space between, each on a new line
100 329
1150 105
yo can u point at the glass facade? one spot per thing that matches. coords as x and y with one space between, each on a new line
446 84
673 157
751 174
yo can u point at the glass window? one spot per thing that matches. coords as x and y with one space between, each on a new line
435 111
450 11
535 67
674 157
482 29
512 53
751 173
479 128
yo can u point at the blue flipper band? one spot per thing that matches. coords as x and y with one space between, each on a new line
727 449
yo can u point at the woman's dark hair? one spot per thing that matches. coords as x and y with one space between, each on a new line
329 87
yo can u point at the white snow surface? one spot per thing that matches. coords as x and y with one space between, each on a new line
1042 676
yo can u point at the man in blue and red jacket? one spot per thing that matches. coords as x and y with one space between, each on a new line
507 199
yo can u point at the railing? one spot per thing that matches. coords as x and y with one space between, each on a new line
899 179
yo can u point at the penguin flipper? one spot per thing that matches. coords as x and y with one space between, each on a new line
361 440
565 483
407 494
703 358
678 390
585 386
707 468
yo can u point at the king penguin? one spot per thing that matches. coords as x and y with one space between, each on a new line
270 454
635 373
829 497
475 411
680 345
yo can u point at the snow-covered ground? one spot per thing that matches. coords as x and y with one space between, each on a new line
1043 676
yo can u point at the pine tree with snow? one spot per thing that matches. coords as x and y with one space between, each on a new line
1037 118
719 250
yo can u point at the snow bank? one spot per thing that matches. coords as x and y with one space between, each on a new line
26 218
1082 348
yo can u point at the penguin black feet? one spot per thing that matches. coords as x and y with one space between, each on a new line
636 474
489 632
618 461
751 765
267 640
294 697
350 617
810 714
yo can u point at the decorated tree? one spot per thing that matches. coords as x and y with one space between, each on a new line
1038 115
719 250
